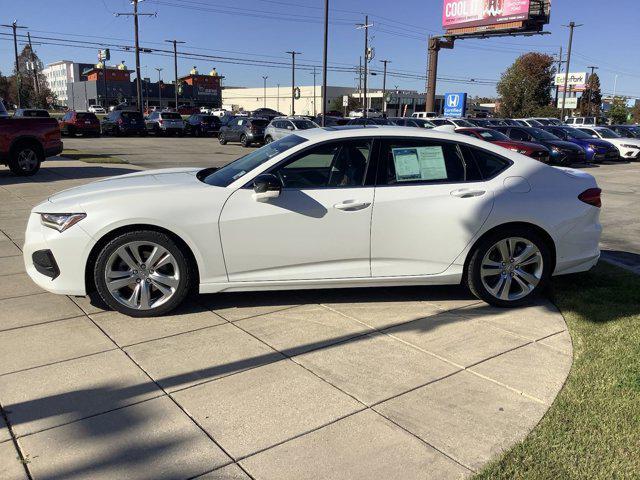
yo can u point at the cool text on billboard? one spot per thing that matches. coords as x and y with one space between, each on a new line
472 13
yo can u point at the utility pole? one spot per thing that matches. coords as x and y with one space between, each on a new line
158 69
293 54
264 80
324 61
135 16
278 99
314 89
365 26
360 82
384 85
14 26
434 46
175 66
593 69
572 26
560 62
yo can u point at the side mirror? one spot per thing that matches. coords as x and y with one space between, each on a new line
266 186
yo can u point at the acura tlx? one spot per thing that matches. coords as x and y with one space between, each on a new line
321 208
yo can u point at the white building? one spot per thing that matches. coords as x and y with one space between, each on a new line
59 74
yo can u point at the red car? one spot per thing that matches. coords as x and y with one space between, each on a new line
84 123
533 150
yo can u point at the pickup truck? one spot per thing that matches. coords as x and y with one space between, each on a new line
25 142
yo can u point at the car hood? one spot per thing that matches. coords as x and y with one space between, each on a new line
563 145
138 182
521 145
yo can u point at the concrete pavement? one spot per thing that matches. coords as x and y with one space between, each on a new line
360 383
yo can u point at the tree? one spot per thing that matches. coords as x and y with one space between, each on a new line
591 101
619 112
30 72
336 104
635 112
525 87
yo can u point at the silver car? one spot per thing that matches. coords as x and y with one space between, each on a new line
283 126
163 123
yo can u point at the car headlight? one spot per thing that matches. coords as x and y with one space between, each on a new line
555 150
627 145
592 147
61 221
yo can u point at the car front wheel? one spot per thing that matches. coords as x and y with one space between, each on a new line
222 139
25 160
244 141
509 267
142 274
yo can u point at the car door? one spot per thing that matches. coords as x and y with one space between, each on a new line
430 201
319 226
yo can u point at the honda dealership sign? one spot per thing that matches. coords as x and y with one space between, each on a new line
475 13
455 104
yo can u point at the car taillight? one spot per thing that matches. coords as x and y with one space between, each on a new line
592 197
119 121
160 121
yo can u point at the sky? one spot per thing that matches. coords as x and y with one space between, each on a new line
247 40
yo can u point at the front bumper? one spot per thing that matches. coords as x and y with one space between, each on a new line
69 251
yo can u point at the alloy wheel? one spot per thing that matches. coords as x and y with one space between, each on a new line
512 268
142 275
27 159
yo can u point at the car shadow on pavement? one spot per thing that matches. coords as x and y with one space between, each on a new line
52 173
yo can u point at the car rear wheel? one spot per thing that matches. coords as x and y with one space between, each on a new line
509 267
142 274
244 141
25 160
268 139
222 139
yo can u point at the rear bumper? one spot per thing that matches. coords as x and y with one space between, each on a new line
53 150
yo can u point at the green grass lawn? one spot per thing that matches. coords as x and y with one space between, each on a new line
592 430
90 157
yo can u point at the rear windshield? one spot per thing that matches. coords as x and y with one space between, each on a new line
228 174
260 123
86 116
209 118
35 113
132 115
170 116
493 135
304 124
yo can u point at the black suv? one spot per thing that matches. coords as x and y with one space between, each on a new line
246 130
200 124
123 122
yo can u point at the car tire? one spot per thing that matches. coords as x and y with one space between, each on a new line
244 141
152 290
222 139
509 267
71 131
268 139
25 159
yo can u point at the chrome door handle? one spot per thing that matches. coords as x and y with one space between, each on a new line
351 205
467 193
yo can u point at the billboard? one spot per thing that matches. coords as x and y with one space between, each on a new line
570 102
455 104
579 78
483 13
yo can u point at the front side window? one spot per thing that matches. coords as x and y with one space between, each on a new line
607 133
422 161
333 164
231 172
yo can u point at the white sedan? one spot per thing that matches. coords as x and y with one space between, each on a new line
321 208
629 148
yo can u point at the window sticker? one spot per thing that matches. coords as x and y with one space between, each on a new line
419 163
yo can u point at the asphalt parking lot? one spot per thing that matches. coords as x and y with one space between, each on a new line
363 383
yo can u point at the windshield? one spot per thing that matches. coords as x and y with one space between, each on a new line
493 136
575 133
228 174
541 134
542 121
608 133
304 124
423 123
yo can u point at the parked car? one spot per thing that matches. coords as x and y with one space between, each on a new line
96 109
267 113
25 142
331 120
561 152
628 131
3 110
499 222
31 112
533 150
200 124
410 122
528 122
221 112
596 150
629 147
165 123
283 126
547 121
205 110
455 122
246 130
83 123
369 121
123 122
424 115
371 113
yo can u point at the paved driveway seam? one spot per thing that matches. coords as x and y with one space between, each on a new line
59 361
39 323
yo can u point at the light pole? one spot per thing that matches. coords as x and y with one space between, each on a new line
314 90
14 26
293 54
324 60
158 69
175 66
365 26
384 85
572 26
264 86
278 100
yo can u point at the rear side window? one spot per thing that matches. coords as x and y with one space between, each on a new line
488 164
419 161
